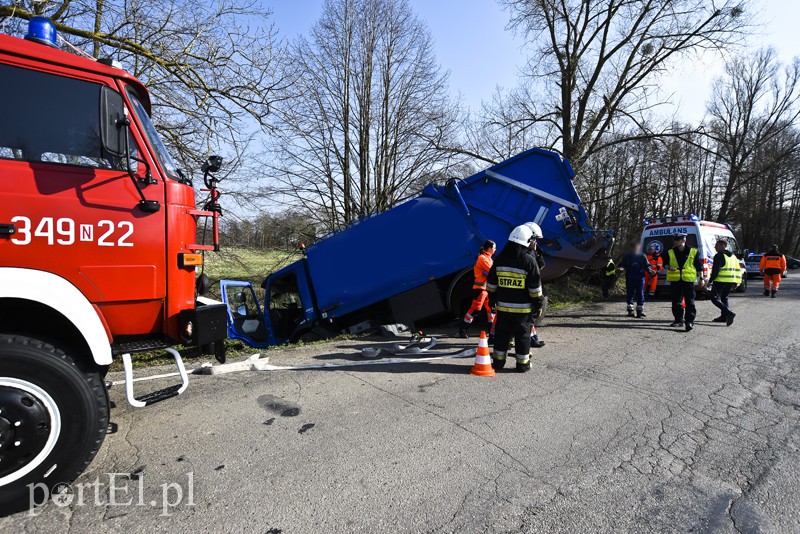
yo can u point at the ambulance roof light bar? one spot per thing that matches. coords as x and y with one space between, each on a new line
686 217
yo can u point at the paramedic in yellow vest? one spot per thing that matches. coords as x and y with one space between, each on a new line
726 274
683 265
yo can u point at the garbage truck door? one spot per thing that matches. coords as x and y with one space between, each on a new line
246 321
289 303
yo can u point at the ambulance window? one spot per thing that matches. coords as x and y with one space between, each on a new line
51 119
733 246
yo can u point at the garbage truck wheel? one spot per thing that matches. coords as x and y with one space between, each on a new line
53 419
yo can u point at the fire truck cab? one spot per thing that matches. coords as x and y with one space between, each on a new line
98 249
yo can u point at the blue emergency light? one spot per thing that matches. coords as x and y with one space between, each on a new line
42 30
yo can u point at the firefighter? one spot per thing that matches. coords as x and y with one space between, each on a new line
480 298
635 265
656 265
609 277
537 254
725 276
773 265
683 264
515 287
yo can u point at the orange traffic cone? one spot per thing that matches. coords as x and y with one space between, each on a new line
483 360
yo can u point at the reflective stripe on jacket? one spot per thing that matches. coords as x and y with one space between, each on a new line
611 268
773 263
481 270
685 273
655 261
514 281
731 272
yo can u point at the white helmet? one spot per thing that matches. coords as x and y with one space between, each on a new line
521 235
536 229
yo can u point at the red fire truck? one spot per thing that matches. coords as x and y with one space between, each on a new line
98 250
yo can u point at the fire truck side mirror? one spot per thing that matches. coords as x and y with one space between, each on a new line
112 118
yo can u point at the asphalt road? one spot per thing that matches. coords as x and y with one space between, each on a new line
622 425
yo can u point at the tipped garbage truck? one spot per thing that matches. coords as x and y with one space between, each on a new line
414 261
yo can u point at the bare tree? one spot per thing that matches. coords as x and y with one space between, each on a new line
595 64
210 66
627 182
754 104
367 107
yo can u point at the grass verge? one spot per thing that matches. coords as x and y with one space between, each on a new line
573 290
236 263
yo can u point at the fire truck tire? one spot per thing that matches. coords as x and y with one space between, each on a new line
53 419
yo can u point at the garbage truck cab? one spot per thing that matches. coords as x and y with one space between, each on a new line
703 235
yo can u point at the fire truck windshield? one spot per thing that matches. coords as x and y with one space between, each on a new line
160 149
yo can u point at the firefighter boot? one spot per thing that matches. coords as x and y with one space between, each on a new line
720 319
536 343
766 292
523 364
774 293
498 361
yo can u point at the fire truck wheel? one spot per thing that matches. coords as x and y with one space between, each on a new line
53 419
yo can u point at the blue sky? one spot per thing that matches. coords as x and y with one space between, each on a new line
472 42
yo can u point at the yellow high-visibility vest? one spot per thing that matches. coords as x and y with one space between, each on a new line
730 273
685 273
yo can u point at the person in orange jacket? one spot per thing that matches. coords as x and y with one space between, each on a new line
772 266
480 297
651 275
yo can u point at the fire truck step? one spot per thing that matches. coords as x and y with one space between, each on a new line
156 396
140 345
160 395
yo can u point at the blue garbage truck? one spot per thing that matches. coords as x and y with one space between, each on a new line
414 261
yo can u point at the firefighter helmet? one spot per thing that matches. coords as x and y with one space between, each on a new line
536 229
522 235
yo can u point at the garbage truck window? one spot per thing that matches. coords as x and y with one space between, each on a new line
285 306
51 119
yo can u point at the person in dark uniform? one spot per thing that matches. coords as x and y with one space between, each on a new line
515 288
683 264
635 265
726 274
537 254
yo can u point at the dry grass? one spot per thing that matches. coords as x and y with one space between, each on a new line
237 263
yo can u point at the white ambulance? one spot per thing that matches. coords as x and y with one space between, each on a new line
702 235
